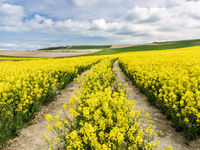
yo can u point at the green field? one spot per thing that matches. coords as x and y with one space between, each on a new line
172 45
77 47
55 48
90 47
107 50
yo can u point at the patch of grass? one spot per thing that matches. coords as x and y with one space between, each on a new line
103 52
173 45
54 48
90 47
28 124
165 45
76 47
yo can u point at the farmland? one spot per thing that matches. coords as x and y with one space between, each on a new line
93 50
52 53
116 49
77 47
100 113
26 85
171 81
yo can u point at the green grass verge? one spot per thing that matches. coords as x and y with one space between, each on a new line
90 47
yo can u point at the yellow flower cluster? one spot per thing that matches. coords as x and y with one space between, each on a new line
22 58
171 80
100 117
25 85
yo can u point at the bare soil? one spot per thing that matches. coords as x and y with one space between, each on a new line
159 120
31 137
53 53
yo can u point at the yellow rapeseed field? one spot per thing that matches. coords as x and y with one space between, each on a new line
20 58
100 114
100 117
25 85
171 80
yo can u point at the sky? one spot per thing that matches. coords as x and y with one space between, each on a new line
28 25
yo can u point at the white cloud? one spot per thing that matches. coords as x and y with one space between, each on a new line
11 17
142 22
99 24
28 45
8 45
10 14
38 22
85 2
146 15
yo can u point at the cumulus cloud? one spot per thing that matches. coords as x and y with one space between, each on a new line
101 24
85 2
11 16
145 15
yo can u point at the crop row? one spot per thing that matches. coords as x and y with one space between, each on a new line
25 85
99 116
171 80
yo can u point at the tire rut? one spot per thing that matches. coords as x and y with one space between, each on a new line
159 120
31 137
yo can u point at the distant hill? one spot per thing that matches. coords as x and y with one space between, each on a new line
55 48
77 47
150 47
160 46
108 50
90 47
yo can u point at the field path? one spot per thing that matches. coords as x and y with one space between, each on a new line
31 137
159 120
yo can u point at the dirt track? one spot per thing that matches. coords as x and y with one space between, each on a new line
31 137
48 54
159 120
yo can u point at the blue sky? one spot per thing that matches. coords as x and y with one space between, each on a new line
26 24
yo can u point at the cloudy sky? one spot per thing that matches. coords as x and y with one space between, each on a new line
32 24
